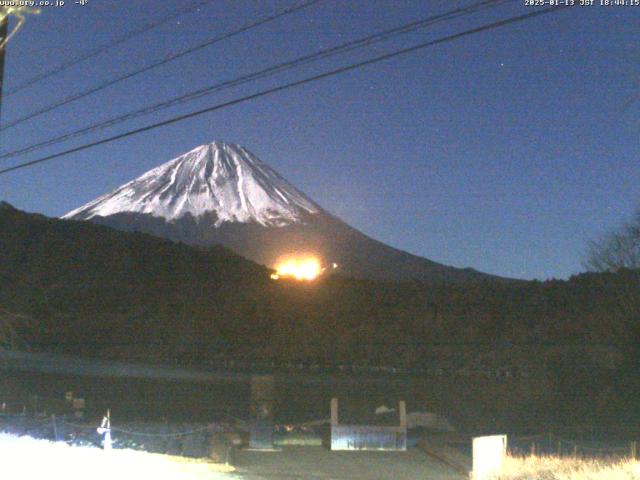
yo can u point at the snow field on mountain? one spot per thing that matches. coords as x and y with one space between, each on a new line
219 178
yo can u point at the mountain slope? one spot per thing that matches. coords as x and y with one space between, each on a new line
222 180
222 194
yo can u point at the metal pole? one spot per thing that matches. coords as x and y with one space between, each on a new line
4 28
55 427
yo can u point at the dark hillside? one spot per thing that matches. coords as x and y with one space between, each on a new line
93 291
90 286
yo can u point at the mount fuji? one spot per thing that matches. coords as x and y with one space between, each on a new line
221 193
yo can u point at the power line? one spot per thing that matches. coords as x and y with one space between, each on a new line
321 54
164 61
103 48
446 39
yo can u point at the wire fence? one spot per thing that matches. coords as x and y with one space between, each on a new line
553 444
35 418
189 440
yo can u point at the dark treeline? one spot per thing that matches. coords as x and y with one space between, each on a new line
88 285
89 290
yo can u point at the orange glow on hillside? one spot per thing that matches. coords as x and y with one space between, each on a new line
301 268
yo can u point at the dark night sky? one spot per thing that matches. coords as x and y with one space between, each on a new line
505 151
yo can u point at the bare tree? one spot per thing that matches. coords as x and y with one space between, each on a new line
616 251
619 253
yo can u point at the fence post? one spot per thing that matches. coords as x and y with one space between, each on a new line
263 397
488 456
105 429
334 412
55 427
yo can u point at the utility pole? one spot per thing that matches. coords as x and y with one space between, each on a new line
4 28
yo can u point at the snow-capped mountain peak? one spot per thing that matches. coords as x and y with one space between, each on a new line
224 179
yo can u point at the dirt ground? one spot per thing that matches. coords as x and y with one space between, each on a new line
319 463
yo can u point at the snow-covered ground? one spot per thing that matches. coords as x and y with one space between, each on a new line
27 458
